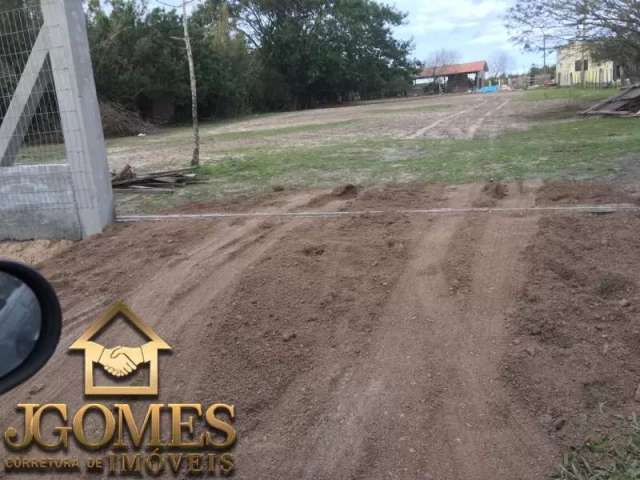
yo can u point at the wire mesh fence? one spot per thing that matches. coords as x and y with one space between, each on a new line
29 110
37 198
54 176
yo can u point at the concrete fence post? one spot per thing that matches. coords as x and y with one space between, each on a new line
65 25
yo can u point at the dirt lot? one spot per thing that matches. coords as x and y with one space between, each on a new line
453 139
451 116
380 346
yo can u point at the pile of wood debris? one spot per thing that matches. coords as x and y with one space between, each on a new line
118 121
127 180
625 104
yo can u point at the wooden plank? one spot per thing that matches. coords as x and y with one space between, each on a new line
139 189
619 98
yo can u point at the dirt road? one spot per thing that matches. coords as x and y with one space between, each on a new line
366 347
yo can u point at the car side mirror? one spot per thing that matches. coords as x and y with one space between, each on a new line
30 323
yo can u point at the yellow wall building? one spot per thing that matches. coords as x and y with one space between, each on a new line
576 66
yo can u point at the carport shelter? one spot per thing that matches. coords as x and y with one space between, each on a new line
457 78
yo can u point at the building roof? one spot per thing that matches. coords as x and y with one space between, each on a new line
457 69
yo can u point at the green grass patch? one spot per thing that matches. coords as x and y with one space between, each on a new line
41 154
583 149
569 93
604 459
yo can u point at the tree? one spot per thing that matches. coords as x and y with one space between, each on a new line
611 27
136 58
225 67
248 55
438 59
534 31
500 63
325 50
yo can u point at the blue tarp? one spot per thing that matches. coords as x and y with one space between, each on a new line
489 89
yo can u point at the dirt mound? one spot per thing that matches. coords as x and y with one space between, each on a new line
496 190
345 191
33 252
342 192
395 196
117 121
570 192
576 356
492 193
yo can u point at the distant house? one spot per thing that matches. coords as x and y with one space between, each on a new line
455 78
576 66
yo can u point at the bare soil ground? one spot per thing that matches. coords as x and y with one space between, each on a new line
449 116
33 252
388 346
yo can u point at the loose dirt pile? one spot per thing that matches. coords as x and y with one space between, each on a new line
117 121
376 346
496 190
572 192
492 193
33 252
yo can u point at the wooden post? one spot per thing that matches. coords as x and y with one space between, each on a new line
195 159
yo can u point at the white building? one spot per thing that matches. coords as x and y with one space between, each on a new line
576 66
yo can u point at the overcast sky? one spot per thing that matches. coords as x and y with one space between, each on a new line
474 28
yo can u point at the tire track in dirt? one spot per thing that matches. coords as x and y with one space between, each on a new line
474 128
332 310
427 400
168 295
374 426
490 435
210 259
420 133
355 348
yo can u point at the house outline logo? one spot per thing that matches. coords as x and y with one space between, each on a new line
120 361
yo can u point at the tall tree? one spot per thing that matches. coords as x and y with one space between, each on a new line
247 54
324 50
612 27
500 63
225 67
135 55
438 59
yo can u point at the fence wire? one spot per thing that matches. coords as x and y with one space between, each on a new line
26 79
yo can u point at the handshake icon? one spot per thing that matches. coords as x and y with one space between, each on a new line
119 361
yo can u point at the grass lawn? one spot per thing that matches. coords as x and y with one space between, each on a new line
569 93
41 154
605 458
583 148
586 148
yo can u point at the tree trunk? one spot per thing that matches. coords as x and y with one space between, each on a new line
195 159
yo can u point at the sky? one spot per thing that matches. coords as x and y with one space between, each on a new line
474 28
